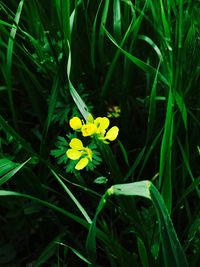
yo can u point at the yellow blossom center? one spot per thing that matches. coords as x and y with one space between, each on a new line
88 129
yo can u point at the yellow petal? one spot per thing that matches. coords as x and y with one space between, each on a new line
82 163
73 154
88 129
102 123
75 123
112 133
76 144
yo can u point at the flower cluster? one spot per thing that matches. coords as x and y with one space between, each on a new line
97 128
78 151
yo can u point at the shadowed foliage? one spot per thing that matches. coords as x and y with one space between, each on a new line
136 62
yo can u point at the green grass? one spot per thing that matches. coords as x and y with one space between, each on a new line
61 59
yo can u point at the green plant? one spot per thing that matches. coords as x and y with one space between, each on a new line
136 61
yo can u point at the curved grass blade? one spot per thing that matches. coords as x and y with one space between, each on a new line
173 254
76 202
10 168
138 62
4 193
152 44
133 29
78 254
101 235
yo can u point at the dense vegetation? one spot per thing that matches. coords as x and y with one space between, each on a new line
136 203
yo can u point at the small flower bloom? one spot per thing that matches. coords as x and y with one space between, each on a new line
88 129
102 124
75 123
78 151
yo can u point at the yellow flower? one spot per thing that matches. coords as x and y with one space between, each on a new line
96 127
78 151
88 129
75 123
102 124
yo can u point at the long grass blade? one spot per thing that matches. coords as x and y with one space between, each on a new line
9 60
10 169
173 254
138 62
165 182
74 199
77 99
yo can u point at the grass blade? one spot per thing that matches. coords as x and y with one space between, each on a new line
9 60
117 19
173 254
77 99
166 154
76 202
141 64
11 169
